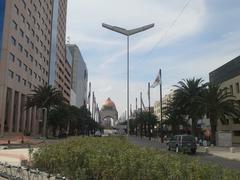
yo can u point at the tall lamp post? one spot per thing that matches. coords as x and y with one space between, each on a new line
127 33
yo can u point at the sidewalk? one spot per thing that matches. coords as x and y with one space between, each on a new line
224 152
13 156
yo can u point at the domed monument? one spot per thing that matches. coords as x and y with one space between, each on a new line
109 114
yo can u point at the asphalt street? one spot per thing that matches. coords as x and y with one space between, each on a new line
203 157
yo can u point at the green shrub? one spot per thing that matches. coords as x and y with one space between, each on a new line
114 158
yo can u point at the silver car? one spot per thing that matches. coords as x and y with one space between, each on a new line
182 143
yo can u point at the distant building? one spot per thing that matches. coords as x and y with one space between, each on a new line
79 80
60 67
73 96
109 114
157 109
228 76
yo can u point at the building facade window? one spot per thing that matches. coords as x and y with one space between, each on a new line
237 88
236 133
32 45
30 71
25 67
16 9
31 58
27 39
10 73
24 82
19 62
26 53
18 78
11 57
21 33
28 26
29 84
13 41
14 25
20 48
29 12
24 4
231 89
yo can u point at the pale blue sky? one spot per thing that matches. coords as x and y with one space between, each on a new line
206 36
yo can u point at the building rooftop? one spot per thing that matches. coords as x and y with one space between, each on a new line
109 104
227 71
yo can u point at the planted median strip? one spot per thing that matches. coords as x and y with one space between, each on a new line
115 158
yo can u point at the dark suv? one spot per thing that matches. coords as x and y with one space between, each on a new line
182 143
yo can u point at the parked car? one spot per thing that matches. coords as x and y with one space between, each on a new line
183 143
98 134
62 134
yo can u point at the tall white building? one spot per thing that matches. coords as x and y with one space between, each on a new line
79 79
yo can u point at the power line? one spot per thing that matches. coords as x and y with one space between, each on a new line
170 27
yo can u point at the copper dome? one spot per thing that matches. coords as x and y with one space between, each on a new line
109 104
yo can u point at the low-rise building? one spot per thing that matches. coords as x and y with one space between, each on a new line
228 76
157 108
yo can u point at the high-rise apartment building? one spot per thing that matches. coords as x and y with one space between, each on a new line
26 41
25 28
79 76
60 68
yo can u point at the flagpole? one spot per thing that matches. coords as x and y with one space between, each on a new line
136 106
141 126
149 97
141 102
160 73
149 111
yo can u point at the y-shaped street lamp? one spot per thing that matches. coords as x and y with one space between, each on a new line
127 33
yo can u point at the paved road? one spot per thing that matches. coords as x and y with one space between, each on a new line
206 158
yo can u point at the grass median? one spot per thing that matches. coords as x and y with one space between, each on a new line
115 158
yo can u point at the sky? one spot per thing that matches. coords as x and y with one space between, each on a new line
190 39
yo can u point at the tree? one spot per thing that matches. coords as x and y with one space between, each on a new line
44 97
60 117
188 95
220 105
146 118
174 116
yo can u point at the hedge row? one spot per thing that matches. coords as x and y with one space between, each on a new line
114 158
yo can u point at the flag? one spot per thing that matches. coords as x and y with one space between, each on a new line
143 104
89 94
157 80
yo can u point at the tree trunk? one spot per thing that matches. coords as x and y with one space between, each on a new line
213 123
45 113
194 127
145 129
149 131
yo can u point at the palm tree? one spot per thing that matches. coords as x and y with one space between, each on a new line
174 116
220 105
47 97
146 118
188 95
59 117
